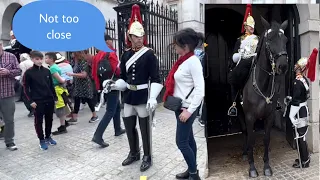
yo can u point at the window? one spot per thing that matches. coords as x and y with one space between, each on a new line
201 12
257 1
173 7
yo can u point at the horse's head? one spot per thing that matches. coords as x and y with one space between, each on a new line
276 45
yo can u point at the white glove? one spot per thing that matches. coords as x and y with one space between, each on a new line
293 112
152 104
119 85
155 89
236 57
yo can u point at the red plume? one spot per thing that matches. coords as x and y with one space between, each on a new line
312 63
248 11
135 12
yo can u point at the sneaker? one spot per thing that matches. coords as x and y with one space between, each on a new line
72 121
43 145
61 130
94 119
101 143
51 141
12 147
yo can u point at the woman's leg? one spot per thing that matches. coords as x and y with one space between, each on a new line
76 108
92 106
185 141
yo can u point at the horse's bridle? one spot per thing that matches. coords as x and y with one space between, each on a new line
272 58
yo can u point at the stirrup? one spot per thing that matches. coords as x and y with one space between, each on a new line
233 110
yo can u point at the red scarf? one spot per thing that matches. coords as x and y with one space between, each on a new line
170 79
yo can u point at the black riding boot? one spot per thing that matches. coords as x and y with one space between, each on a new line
133 138
233 109
145 134
304 152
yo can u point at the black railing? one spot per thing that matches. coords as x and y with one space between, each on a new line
160 23
110 30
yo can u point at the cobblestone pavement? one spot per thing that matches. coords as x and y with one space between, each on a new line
76 157
226 161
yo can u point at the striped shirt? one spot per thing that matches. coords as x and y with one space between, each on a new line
10 62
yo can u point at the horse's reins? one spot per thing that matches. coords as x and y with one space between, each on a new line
272 59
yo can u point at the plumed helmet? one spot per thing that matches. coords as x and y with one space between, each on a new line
308 65
248 19
135 26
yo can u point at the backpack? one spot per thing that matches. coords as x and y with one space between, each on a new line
104 69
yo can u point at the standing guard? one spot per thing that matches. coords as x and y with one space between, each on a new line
139 65
299 112
244 51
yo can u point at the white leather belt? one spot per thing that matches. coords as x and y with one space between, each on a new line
303 104
137 87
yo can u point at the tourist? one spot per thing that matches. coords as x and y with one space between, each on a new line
39 90
185 81
82 87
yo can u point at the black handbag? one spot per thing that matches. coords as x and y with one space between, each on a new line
173 103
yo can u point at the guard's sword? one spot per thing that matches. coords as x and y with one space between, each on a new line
151 125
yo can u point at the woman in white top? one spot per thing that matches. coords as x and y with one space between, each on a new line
186 76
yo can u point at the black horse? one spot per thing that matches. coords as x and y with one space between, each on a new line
259 92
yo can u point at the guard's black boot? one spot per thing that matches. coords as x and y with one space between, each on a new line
194 176
303 148
184 175
145 128
296 164
133 138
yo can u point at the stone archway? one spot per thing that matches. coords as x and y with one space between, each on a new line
7 20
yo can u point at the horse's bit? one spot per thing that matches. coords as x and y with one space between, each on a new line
272 59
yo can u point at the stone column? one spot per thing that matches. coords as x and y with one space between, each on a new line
309 39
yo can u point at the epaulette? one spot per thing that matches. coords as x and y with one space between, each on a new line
242 37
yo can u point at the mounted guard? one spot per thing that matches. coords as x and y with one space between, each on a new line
299 111
244 52
139 72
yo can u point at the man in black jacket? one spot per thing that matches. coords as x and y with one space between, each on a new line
40 93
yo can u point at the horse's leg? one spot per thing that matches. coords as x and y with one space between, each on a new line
250 120
243 130
266 141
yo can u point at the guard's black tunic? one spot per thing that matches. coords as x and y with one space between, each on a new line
300 95
144 69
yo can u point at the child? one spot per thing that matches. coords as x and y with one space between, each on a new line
40 94
58 82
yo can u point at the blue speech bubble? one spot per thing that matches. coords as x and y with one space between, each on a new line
68 25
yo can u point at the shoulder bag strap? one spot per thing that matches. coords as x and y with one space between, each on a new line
189 93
